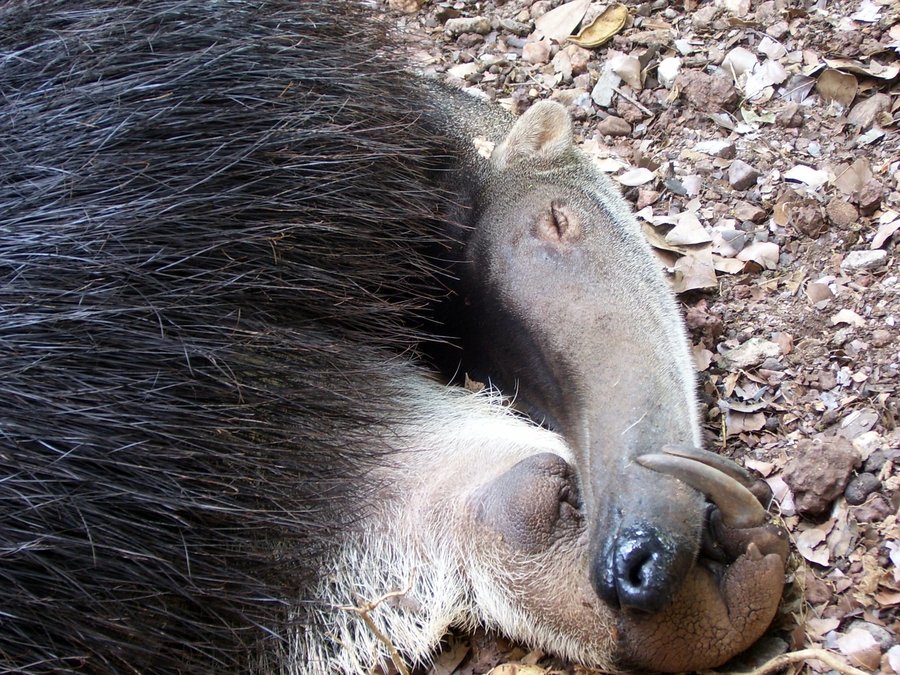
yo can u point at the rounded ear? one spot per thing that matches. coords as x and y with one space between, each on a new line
544 131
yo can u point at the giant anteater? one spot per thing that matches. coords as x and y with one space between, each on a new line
242 255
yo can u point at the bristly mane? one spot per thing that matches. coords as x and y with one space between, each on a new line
218 226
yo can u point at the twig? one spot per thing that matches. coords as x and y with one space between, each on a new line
826 657
633 101
363 612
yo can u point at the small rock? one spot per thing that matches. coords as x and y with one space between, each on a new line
717 148
406 6
870 196
579 57
881 337
747 211
668 70
646 198
816 591
469 40
704 324
704 16
536 52
751 353
863 260
614 126
841 212
860 487
873 511
863 114
463 70
562 65
772 364
882 636
827 380
741 175
790 117
539 8
467 24
808 219
515 27
707 92
879 458
819 471
627 111
779 30
867 443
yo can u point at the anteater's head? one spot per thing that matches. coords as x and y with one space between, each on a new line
572 317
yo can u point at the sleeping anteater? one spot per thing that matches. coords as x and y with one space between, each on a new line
237 246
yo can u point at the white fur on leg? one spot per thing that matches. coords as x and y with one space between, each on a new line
415 540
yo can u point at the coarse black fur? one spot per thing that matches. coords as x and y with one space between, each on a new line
222 229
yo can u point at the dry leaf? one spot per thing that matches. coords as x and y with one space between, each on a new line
885 231
702 358
833 85
872 69
798 88
849 317
817 292
738 422
688 231
762 468
810 540
603 28
801 173
695 270
851 179
739 61
763 253
636 177
558 24
868 12
629 69
861 648
449 659
818 627
727 265
764 75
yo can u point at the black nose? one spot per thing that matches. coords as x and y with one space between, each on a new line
639 569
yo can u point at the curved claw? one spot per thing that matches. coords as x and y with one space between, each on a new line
723 464
739 508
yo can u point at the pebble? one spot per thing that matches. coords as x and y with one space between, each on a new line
881 337
741 175
860 487
870 196
863 260
819 471
536 52
467 24
751 353
515 27
406 6
864 113
614 126
841 212
579 57
747 211
873 511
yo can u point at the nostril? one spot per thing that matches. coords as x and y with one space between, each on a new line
639 570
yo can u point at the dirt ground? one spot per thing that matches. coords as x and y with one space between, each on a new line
759 144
